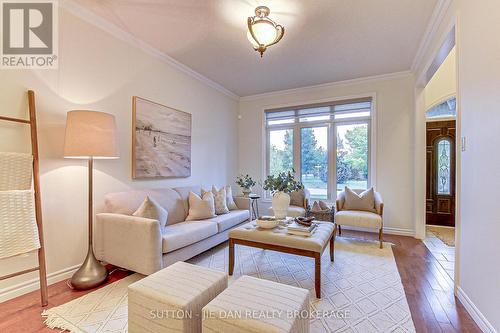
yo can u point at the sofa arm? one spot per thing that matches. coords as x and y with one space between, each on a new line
243 203
130 242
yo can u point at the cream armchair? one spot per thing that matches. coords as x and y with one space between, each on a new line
299 203
363 219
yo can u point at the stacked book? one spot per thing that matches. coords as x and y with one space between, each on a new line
298 229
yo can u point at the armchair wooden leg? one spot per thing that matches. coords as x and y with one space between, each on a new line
381 238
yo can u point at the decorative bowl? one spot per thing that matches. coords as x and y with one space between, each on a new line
267 224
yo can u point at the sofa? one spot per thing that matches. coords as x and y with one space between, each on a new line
141 245
299 203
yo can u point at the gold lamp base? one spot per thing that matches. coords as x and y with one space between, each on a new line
91 274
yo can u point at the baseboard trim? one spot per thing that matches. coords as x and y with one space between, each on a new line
34 284
474 312
387 230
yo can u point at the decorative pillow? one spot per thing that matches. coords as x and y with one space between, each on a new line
323 205
201 208
297 198
315 207
364 201
150 209
229 199
220 200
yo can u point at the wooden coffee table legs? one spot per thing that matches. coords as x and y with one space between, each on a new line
332 243
317 274
231 256
311 254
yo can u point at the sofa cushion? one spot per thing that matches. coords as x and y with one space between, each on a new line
184 194
355 200
128 202
183 234
230 219
220 200
150 209
293 211
356 218
201 208
229 198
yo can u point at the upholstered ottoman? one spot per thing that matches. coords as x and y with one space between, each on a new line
255 305
171 300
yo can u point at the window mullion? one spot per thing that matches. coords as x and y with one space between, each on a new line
296 150
332 158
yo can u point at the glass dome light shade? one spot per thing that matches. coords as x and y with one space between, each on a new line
265 33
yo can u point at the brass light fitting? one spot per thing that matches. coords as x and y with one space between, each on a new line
262 31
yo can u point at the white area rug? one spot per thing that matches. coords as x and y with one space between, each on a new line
363 285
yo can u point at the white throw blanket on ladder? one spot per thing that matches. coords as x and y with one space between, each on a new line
18 229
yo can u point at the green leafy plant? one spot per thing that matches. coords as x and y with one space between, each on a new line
282 182
245 181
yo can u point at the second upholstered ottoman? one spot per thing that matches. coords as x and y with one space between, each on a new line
255 305
171 300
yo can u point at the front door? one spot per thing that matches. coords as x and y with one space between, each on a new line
440 189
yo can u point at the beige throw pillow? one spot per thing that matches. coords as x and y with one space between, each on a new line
323 205
150 209
316 207
201 208
220 200
229 199
297 198
364 201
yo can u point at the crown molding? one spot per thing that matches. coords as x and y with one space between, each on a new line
382 77
437 17
127 37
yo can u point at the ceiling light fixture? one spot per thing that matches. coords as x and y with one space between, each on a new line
262 31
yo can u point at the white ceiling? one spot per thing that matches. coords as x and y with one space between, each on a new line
325 40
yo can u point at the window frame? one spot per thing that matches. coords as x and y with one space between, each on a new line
331 125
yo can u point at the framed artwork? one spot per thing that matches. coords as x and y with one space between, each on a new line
161 141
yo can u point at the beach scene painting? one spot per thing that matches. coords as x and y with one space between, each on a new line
161 146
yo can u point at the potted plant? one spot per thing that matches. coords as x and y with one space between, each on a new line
246 183
280 186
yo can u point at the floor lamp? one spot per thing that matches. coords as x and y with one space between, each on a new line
90 135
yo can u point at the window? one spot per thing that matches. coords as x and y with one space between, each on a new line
314 160
280 151
327 144
447 109
444 168
352 156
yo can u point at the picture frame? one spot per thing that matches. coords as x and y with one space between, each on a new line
161 141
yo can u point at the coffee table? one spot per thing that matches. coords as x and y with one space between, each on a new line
278 239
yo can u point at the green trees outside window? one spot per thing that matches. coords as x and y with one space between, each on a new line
351 156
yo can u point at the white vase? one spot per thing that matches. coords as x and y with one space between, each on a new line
247 191
281 202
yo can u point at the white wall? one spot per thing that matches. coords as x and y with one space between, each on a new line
99 72
478 58
443 84
394 131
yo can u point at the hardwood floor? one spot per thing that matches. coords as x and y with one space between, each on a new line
22 314
428 288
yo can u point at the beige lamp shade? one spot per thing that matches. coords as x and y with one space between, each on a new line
90 134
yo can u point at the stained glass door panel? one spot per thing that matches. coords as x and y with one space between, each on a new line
440 203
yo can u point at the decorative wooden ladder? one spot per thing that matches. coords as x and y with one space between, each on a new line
38 205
